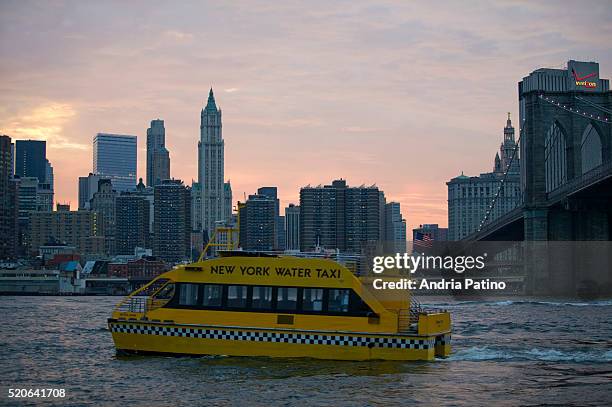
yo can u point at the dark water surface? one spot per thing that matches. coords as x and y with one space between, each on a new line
515 352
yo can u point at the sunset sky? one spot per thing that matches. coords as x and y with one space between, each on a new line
404 95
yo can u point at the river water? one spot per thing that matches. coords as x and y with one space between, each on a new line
506 352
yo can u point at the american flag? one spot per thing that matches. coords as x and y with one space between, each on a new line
423 239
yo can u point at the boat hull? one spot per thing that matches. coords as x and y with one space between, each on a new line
178 339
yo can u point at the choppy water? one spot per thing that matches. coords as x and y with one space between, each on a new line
514 352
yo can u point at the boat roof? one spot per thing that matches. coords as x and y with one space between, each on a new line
266 270
245 253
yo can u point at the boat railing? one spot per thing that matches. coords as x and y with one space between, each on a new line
351 261
415 310
408 319
136 304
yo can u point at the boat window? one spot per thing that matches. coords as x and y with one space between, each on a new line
212 294
262 298
338 300
358 305
286 298
312 299
188 294
236 296
152 287
307 300
166 293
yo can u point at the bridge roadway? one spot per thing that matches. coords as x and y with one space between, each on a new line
595 184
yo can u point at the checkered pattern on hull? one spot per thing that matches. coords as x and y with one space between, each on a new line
277 337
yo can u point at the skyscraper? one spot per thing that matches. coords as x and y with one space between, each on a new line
395 228
158 157
13 157
340 217
148 194
88 186
196 207
44 197
31 160
172 221
48 174
211 167
292 227
132 223
227 197
272 193
8 201
104 202
28 195
28 202
281 233
114 157
258 223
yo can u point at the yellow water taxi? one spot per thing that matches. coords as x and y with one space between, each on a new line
247 304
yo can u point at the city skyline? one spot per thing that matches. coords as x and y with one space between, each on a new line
317 89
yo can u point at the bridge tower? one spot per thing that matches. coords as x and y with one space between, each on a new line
565 129
566 132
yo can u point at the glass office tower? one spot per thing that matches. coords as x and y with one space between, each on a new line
114 157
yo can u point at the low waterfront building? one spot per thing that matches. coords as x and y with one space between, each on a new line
48 251
97 268
27 281
117 269
70 279
146 267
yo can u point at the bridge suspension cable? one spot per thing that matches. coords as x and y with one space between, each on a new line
602 119
574 110
501 186
595 105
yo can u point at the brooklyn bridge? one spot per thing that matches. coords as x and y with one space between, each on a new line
564 217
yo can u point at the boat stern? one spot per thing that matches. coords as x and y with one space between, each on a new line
438 325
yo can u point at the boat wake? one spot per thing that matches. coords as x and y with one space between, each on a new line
601 303
484 353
